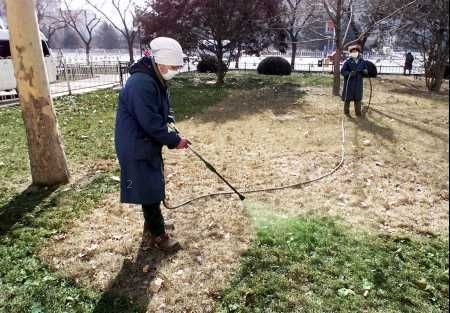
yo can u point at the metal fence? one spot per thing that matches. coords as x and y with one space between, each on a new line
76 78
328 68
79 78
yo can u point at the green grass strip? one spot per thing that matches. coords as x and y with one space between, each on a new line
315 265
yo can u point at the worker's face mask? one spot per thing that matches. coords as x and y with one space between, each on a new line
170 74
354 55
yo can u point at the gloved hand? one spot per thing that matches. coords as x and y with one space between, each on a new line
183 144
365 72
352 73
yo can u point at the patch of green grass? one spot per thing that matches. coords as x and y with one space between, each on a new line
189 97
27 285
86 124
251 80
315 265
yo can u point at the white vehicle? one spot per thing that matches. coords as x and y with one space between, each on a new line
7 77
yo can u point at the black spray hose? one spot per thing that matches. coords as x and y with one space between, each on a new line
371 92
270 189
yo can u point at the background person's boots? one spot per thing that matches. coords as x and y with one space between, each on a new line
347 108
358 108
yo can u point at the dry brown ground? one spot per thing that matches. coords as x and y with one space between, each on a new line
394 180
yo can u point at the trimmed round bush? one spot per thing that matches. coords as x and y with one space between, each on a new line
372 69
208 64
274 66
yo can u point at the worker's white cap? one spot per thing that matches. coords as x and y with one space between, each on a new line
167 51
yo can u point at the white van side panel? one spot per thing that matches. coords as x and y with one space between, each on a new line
50 64
7 77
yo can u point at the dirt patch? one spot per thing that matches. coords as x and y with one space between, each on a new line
104 251
394 180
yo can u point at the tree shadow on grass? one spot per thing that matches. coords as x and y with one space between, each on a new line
21 204
416 89
131 291
243 103
425 94
427 131
375 128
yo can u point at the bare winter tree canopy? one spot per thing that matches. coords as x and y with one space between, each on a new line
81 22
424 25
298 16
48 24
127 26
221 28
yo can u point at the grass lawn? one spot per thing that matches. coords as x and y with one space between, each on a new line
303 264
28 219
316 265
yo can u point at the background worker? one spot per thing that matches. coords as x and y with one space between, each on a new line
409 60
353 70
141 131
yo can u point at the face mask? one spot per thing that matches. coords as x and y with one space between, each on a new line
169 75
354 55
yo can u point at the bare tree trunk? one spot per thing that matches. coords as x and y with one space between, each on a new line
88 54
435 77
220 75
337 72
238 57
221 71
294 54
131 50
337 56
45 149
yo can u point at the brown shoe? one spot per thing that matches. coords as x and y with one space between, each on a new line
165 243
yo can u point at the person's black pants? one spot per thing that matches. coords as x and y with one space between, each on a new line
153 219
357 108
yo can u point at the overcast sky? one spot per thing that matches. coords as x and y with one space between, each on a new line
107 6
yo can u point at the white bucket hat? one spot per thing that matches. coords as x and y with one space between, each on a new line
167 51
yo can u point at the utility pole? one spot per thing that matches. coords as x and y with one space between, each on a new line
45 149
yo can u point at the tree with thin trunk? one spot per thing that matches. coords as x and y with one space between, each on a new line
299 14
341 13
48 24
128 21
82 23
223 28
424 25
335 10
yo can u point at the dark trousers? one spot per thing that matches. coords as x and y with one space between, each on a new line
357 108
153 219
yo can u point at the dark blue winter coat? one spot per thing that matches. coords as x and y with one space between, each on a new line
141 132
355 83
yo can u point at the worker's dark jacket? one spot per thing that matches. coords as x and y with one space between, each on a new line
409 61
141 132
353 86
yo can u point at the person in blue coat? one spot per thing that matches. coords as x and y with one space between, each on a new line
353 70
141 132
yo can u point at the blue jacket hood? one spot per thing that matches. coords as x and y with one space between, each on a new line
147 66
